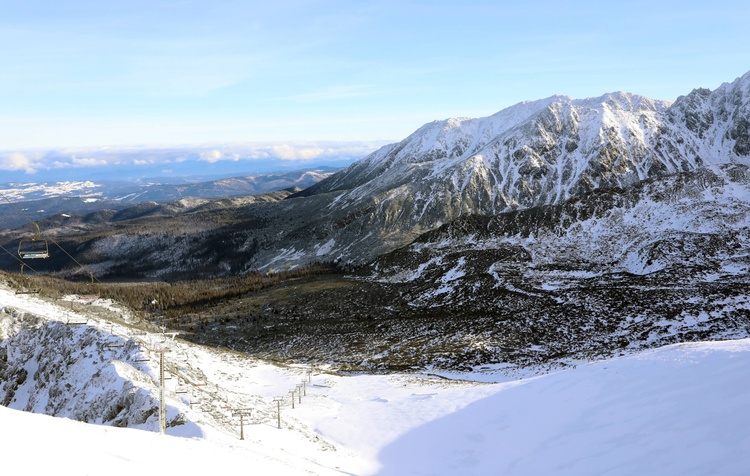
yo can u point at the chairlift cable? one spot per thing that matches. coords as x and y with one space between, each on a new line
22 266
19 210
48 238
15 257
93 278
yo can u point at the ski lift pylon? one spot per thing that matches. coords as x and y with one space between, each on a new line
26 289
35 247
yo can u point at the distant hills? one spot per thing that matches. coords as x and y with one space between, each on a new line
45 199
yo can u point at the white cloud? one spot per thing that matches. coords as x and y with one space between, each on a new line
87 161
288 152
264 154
211 156
17 161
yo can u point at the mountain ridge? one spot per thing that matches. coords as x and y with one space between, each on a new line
532 154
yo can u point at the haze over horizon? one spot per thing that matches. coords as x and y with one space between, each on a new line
294 76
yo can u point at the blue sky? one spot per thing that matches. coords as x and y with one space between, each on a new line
92 73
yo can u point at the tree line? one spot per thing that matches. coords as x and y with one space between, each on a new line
165 297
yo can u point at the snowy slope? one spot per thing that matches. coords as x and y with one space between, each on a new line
693 220
676 410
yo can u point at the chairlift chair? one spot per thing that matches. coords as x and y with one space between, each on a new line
35 247
28 291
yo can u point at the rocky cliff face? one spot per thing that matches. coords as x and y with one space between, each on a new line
75 372
709 126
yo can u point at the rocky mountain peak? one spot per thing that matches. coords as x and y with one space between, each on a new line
712 126
622 101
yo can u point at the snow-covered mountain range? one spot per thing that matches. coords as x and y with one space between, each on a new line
540 153
548 152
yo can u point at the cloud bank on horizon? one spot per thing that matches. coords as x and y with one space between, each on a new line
31 163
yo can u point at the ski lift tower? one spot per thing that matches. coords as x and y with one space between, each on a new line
242 413
162 402
278 401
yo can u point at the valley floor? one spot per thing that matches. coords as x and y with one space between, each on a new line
680 409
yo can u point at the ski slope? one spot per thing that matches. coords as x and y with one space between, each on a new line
681 409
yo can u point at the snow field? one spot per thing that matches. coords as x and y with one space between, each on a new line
681 409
